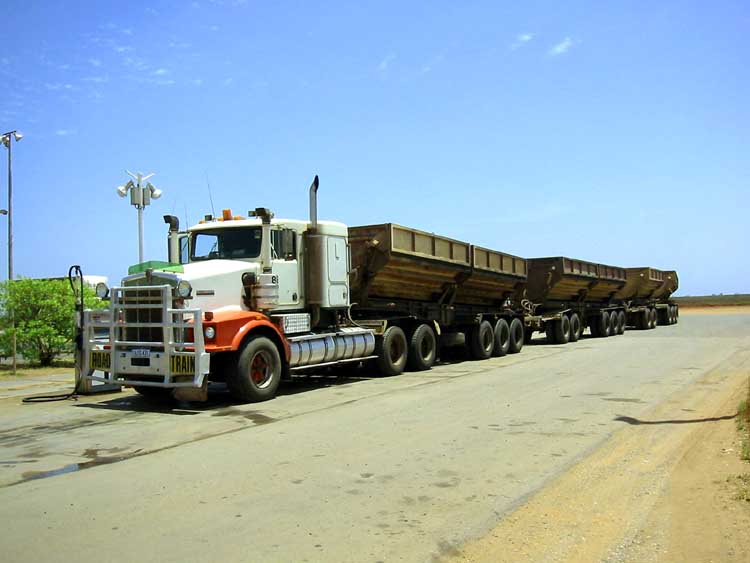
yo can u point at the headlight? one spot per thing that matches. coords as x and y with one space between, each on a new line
184 289
102 291
209 332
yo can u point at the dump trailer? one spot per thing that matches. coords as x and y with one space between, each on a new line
419 289
567 295
646 297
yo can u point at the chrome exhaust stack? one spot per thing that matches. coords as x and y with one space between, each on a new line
314 204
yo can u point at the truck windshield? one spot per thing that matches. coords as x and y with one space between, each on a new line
228 243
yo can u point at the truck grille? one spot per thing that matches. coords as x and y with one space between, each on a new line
142 311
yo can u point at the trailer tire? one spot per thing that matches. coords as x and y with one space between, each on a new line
257 371
502 338
612 323
516 336
621 322
652 314
575 327
642 320
391 351
481 340
606 326
562 330
422 348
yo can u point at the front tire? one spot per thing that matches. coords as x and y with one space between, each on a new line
257 372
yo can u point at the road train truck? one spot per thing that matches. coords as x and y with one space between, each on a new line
251 300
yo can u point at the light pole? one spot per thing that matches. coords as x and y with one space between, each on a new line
141 194
6 140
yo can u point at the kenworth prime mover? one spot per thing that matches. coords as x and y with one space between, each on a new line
249 301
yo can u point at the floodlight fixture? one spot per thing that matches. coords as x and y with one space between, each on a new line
141 193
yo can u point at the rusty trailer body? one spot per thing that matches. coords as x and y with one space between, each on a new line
649 283
646 295
395 263
567 280
570 295
407 277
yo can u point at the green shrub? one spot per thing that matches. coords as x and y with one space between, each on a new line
43 314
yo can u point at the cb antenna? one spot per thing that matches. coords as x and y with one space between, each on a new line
210 197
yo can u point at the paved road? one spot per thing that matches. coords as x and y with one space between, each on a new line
358 469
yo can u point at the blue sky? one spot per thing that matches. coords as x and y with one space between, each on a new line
615 132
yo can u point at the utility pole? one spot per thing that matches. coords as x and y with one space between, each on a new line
6 140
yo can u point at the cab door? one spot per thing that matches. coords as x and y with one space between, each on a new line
285 265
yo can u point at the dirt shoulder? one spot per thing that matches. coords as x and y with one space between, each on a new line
714 309
663 488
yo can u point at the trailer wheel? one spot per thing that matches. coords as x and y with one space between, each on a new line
516 336
575 327
561 328
642 320
652 323
612 323
481 340
422 348
257 372
391 351
621 321
606 327
502 338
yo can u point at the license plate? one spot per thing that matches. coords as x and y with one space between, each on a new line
141 352
99 360
182 365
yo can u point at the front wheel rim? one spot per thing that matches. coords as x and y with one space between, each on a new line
261 369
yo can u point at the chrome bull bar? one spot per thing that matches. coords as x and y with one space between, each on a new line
143 340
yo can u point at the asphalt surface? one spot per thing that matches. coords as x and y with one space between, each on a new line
350 468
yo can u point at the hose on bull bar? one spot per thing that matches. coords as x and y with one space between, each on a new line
73 273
